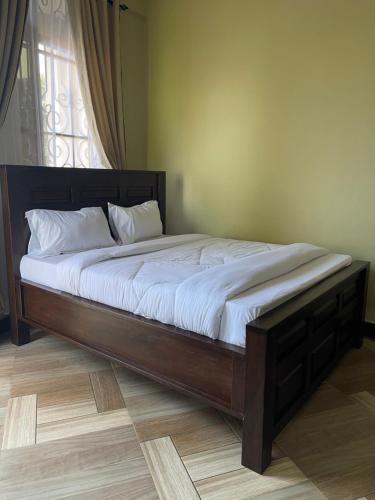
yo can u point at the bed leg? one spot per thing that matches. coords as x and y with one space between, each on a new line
358 339
20 332
360 330
256 448
257 428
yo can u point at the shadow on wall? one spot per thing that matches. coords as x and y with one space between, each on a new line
135 76
178 221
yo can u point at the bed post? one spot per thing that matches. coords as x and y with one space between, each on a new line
363 289
257 424
20 331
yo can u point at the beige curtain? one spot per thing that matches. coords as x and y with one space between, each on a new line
12 23
96 36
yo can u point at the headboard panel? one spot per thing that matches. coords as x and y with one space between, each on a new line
24 188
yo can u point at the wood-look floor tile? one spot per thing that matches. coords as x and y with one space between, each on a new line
62 468
132 384
213 436
277 452
175 424
50 384
326 398
366 399
59 361
55 413
357 384
305 490
4 396
170 476
161 404
344 472
74 389
244 484
20 422
140 488
235 424
334 449
39 367
106 391
65 456
5 345
7 364
369 344
213 462
71 401
40 376
82 425
330 439
355 373
326 430
131 474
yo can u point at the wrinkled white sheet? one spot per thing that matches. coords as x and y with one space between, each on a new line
212 286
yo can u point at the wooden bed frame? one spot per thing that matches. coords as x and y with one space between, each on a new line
289 351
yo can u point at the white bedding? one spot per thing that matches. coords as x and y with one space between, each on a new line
212 286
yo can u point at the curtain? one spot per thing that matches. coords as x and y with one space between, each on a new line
12 23
96 35
46 122
67 138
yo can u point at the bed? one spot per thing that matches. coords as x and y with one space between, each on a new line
262 378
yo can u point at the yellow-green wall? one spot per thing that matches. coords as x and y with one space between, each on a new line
134 59
263 114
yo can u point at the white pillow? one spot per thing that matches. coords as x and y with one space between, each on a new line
132 224
56 231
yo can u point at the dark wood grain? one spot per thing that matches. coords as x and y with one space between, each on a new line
4 324
289 351
25 188
165 354
292 349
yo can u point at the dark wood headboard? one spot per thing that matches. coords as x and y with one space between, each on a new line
24 188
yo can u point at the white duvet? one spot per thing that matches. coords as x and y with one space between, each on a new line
211 286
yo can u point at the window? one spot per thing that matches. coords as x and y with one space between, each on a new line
54 122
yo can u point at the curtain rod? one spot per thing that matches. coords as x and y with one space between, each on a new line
123 6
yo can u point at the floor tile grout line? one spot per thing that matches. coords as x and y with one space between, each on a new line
204 451
208 450
118 385
221 474
114 370
116 374
82 417
36 418
227 422
126 407
68 418
93 392
187 472
244 468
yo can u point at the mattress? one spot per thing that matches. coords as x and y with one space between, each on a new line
143 277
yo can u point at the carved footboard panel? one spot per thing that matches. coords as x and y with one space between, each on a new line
291 352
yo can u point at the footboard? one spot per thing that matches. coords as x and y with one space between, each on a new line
291 350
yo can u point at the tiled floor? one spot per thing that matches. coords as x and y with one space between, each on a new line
73 426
